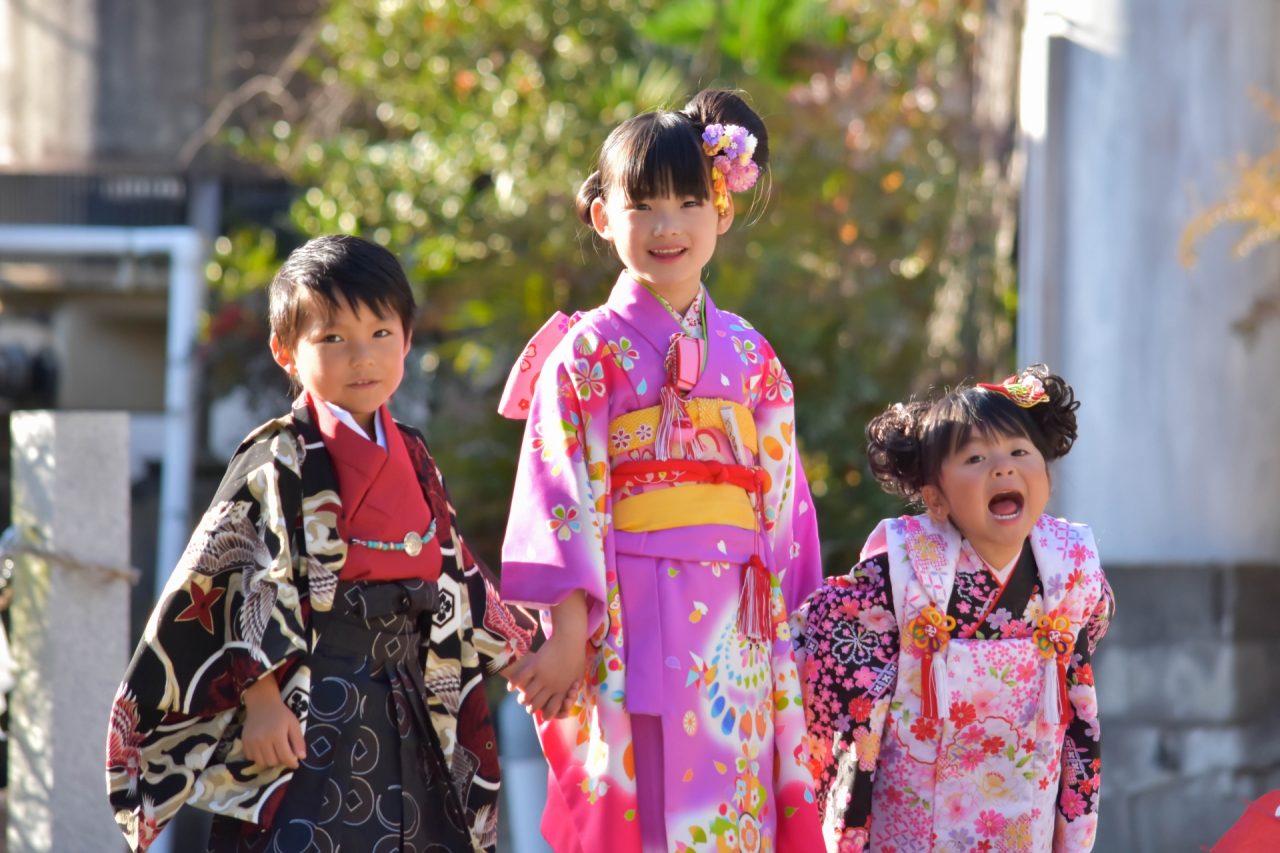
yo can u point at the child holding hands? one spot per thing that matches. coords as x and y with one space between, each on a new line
663 518
948 688
312 672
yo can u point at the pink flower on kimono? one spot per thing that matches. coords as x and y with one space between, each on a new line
565 523
746 350
1071 803
957 805
1085 701
864 678
587 378
1079 553
620 439
1025 672
644 433
853 841
990 823
624 353
776 383
878 619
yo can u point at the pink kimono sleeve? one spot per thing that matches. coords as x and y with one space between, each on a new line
557 532
790 520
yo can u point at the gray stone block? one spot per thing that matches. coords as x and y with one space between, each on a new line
1201 682
1136 757
1158 605
1189 814
1252 596
71 491
1194 681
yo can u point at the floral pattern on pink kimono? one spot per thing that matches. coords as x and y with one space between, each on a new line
1004 764
663 603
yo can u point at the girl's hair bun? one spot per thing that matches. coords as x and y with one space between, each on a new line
894 449
590 190
725 106
1057 418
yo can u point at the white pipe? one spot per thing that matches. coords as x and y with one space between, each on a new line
186 252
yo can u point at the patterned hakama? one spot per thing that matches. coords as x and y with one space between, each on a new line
373 760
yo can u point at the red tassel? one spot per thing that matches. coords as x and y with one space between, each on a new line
755 616
928 690
1065 711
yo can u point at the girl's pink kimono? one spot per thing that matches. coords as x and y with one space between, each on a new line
662 548
949 712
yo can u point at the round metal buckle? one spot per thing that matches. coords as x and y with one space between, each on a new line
413 543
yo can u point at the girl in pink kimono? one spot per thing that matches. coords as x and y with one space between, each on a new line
947 679
663 521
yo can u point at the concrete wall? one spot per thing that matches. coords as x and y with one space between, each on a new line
114 352
1148 105
88 82
93 84
1133 112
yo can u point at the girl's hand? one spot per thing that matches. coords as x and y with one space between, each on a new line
564 707
549 679
272 735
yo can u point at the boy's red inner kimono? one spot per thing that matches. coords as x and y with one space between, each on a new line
381 500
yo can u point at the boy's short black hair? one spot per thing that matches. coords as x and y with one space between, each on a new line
323 271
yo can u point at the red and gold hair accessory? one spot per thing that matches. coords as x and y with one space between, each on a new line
1026 390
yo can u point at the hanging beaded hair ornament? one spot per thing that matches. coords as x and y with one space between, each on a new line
1026 390
730 147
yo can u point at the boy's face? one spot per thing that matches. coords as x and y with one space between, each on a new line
351 358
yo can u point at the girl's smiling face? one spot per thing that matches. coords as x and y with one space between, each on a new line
993 489
664 241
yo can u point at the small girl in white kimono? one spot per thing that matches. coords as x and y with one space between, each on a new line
949 694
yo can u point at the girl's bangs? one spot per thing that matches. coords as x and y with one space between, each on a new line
661 159
989 415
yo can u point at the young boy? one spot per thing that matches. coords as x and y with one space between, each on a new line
312 673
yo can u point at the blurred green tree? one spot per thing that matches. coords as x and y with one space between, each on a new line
456 132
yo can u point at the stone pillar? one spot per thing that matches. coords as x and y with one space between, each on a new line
1133 114
69 625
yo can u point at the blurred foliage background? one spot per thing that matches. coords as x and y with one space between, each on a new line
1252 203
878 259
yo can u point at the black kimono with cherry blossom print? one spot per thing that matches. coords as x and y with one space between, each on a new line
238 607
848 636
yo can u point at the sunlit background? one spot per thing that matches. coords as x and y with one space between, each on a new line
957 187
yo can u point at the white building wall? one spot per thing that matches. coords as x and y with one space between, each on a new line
1134 113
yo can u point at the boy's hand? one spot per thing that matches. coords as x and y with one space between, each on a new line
272 735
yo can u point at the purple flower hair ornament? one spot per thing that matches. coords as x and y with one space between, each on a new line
730 147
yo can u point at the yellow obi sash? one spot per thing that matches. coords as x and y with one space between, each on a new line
683 504
637 429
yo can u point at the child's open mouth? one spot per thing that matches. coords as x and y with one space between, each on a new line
1006 506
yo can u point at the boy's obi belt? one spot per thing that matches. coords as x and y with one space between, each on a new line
700 492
